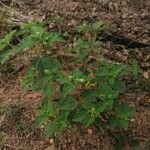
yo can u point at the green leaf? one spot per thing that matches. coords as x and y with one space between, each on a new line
81 44
41 119
123 116
40 83
124 123
47 110
5 55
106 92
51 128
28 79
57 126
103 71
98 26
83 28
49 90
118 146
67 89
37 32
117 121
105 105
52 37
69 103
63 79
79 76
45 63
124 110
37 85
110 70
63 116
89 95
113 121
25 44
4 42
47 107
80 115
119 85
31 27
84 116
89 120
134 67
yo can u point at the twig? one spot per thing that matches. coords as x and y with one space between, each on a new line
2 119
14 147
4 5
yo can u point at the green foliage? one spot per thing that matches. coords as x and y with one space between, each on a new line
31 34
86 93
4 42
94 28
123 113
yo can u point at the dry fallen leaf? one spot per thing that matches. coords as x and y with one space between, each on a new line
146 74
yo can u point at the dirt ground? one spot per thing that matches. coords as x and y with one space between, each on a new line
18 109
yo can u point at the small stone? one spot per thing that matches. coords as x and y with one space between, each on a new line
51 141
90 131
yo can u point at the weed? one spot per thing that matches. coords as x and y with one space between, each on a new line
87 93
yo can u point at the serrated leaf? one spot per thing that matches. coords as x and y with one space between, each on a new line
89 120
41 120
25 44
28 79
89 95
37 32
110 70
81 44
37 85
104 105
47 107
52 37
124 123
45 63
119 86
80 115
63 79
113 121
98 26
63 116
84 116
31 27
83 28
124 110
69 103
103 71
51 128
67 89
40 83
134 67
49 90
4 42
5 55
79 76
106 92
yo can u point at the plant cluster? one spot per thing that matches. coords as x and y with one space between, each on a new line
87 94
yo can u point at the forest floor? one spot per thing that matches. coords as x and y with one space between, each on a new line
18 109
